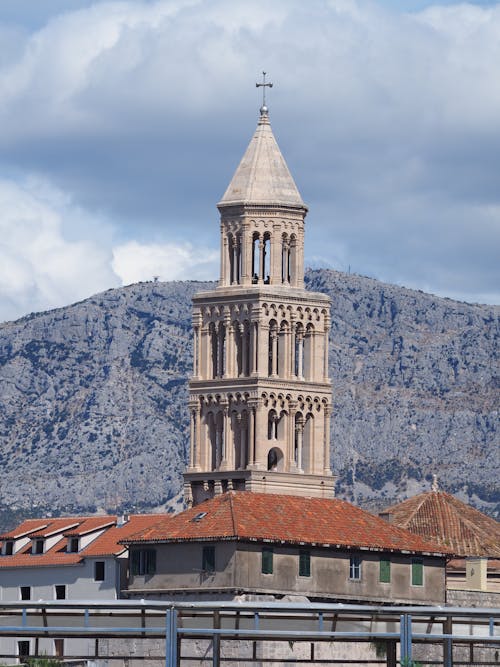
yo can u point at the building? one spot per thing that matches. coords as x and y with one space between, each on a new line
245 544
472 536
262 517
260 395
74 558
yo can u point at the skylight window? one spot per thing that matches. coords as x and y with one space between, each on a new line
199 516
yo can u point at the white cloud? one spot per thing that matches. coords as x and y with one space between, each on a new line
390 123
134 262
39 267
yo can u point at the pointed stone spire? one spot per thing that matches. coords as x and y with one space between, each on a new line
262 176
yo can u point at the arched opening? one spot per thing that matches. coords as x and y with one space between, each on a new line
214 357
275 459
292 260
273 348
238 348
245 352
255 257
272 425
282 340
309 352
285 259
242 452
299 435
267 258
299 351
230 250
308 444
221 351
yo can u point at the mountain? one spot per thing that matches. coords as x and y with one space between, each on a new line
93 398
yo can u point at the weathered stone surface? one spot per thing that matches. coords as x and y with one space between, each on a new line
93 397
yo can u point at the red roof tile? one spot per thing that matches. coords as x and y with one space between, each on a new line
107 544
442 518
287 519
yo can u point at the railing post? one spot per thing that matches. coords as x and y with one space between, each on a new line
171 638
447 643
216 641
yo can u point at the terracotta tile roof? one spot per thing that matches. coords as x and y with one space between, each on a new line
25 528
106 544
442 518
284 519
109 542
91 524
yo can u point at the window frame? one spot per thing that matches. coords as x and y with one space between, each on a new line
58 589
355 568
267 560
417 575
304 563
39 547
384 577
9 548
72 542
24 643
142 562
22 592
100 564
208 559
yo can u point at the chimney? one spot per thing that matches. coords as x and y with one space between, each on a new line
122 520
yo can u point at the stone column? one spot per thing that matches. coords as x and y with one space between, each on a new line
326 440
228 345
274 272
260 436
262 265
300 353
325 350
192 432
196 351
290 436
219 440
293 334
274 352
251 435
246 263
299 429
223 257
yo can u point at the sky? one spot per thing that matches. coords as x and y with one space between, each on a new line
121 124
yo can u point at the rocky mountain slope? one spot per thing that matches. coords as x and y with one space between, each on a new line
93 397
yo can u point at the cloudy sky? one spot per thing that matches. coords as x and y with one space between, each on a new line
121 124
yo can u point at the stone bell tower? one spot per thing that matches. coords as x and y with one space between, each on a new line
260 395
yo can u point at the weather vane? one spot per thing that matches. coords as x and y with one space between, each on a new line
264 85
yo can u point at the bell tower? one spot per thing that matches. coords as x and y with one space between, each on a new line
260 395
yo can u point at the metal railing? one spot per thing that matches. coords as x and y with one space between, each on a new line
175 623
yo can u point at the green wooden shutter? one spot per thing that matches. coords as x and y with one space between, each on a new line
267 560
385 571
417 572
304 563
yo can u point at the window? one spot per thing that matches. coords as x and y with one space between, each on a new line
143 561
355 567
73 545
385 571
267 560
208 559
60 592
304 563
9 548
39 546
23 649
417 572
25 592
99 570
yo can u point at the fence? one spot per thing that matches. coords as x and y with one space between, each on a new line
175 625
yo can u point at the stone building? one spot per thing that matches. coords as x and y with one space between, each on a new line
260 395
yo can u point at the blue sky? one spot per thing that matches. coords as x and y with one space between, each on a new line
121 124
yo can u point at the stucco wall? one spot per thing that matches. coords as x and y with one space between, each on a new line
178 567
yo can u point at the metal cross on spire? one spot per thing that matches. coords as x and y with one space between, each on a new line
263 85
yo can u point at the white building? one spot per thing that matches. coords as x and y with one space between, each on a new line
74 558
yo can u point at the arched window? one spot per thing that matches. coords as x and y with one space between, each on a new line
255 257
266 264
299 351
272 425
273 348
309 352
308 444
282 341
285 259
215 350
292 260
275 459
